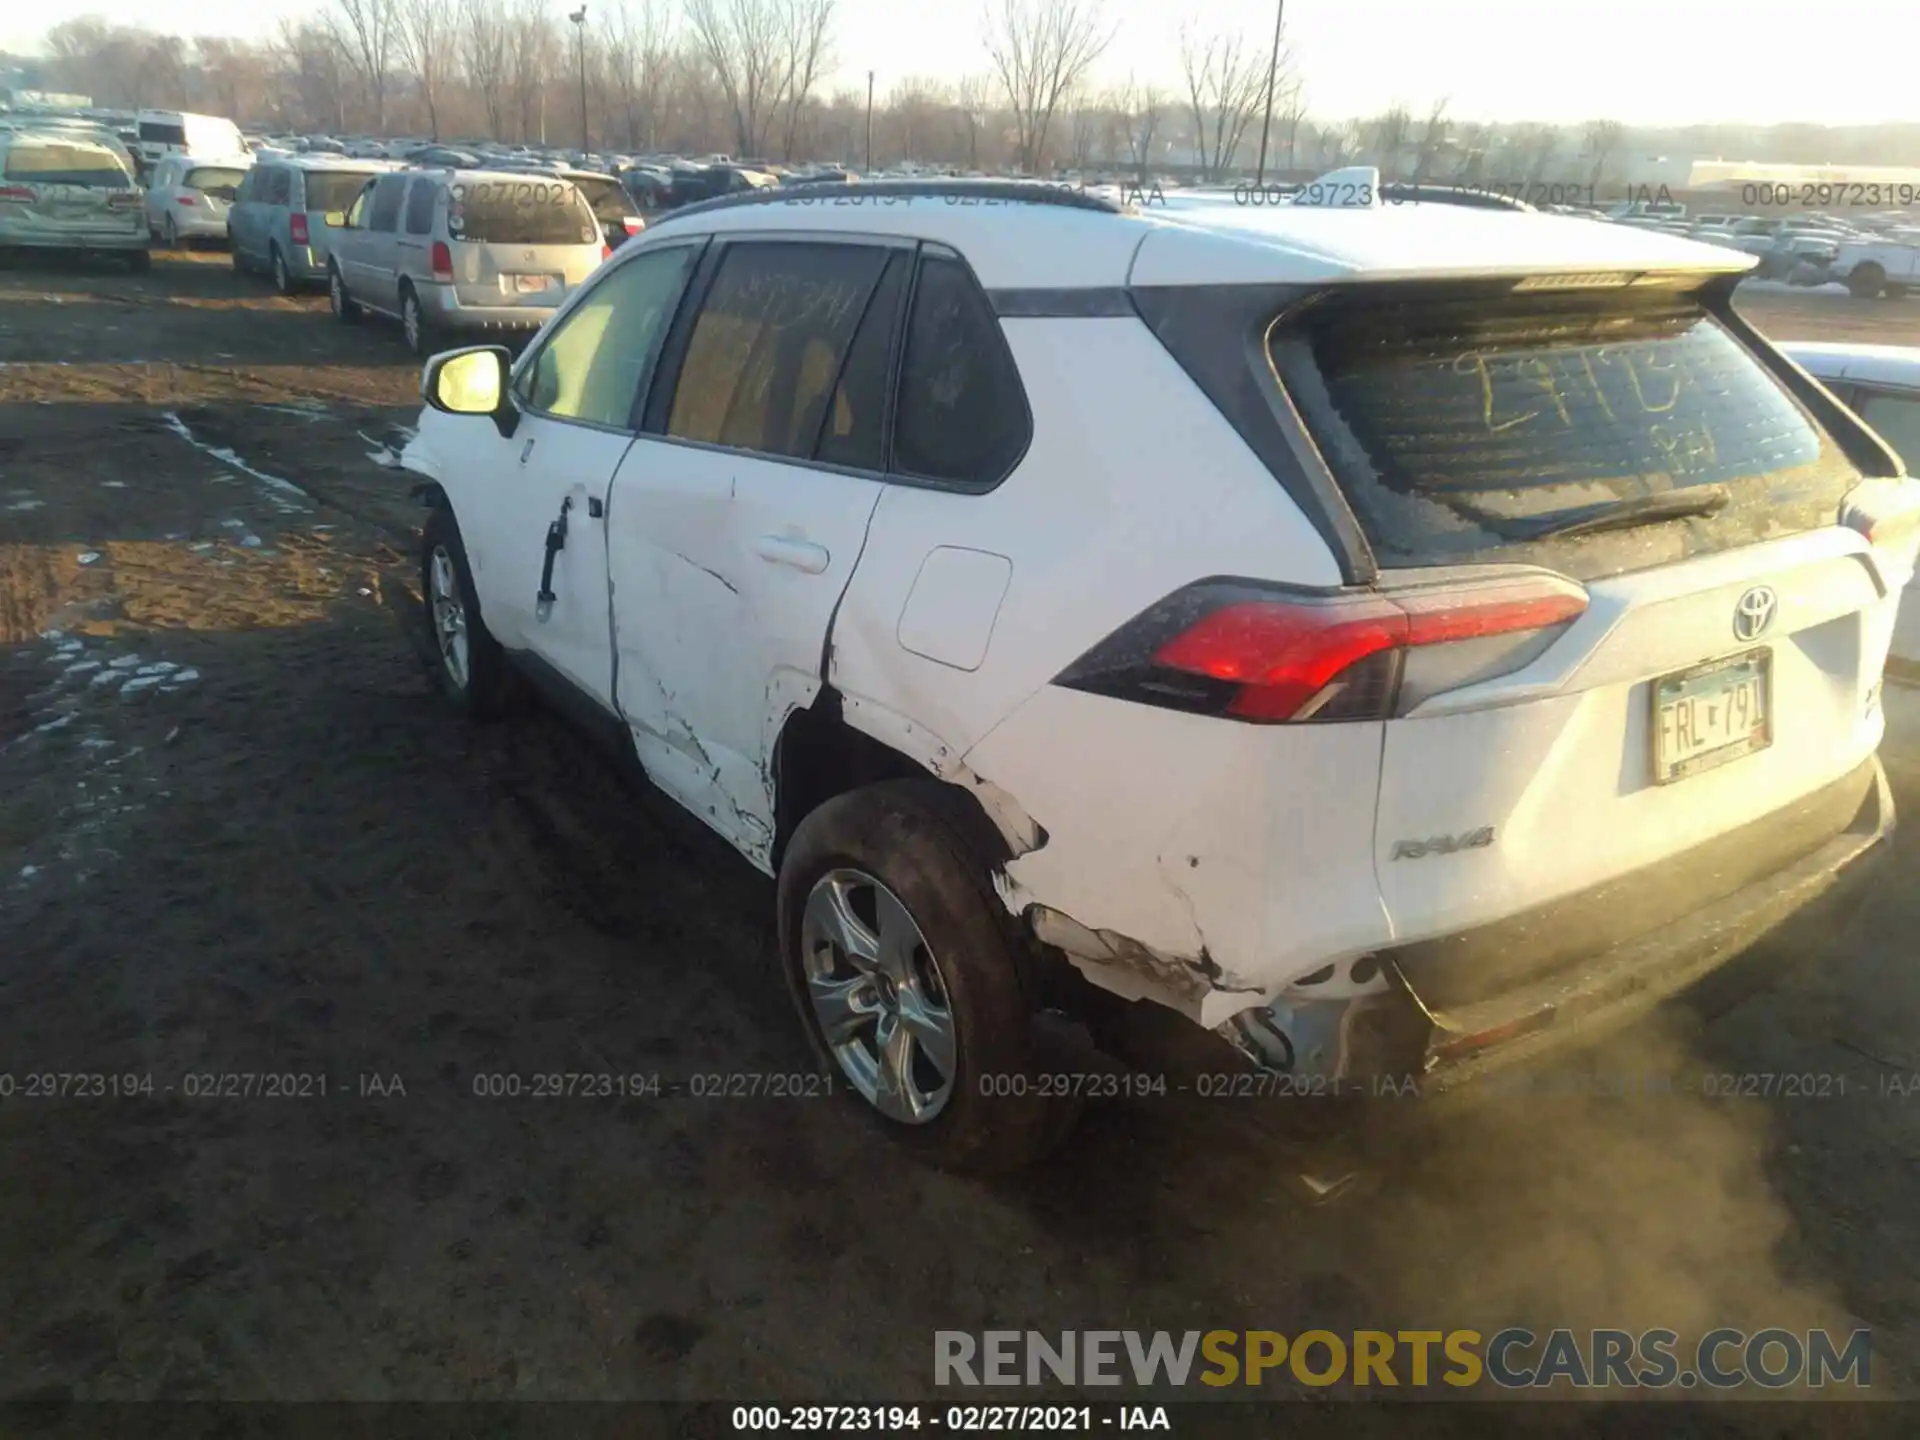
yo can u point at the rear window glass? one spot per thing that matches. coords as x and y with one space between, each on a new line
155 133
520 212
1457 427
65 165
219 181
334 189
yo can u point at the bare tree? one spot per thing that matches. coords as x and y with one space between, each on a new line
484 43
1601 138
532 51
973 95
1225 85
1387 134
636 41
424 40
1473 141
366 31
807 34
1141 107
1433 139
1040 50
742 42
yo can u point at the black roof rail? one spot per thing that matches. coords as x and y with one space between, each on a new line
1399 193
1029 192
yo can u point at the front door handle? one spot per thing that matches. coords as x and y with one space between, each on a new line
800 554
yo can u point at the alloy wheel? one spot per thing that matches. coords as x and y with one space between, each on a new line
879 997
449 615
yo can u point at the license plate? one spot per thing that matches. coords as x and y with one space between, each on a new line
532 284
1710 714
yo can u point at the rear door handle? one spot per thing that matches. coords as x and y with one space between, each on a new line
800 554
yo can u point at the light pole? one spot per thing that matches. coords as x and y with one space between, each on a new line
1266 124
579 19
869 165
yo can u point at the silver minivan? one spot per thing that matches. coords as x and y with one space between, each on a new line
463 251
277 224
62 191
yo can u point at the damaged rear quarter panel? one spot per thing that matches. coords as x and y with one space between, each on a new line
1239 855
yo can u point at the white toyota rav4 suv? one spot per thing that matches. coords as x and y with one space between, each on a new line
1337 640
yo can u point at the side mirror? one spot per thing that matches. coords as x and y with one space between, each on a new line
473 381
336 219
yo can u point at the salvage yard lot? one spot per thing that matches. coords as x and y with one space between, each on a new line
240 837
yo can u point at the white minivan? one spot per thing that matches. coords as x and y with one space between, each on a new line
177 132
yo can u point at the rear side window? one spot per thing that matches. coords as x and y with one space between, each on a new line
520 212
81 165
420 206
1897 418
767 348
384 212
854 432
331 189
1458 427
221 182
962 416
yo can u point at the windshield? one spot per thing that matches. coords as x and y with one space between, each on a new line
329 190
1458 427
55 164
218 181
520 212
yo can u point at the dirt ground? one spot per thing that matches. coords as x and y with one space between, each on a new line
240 837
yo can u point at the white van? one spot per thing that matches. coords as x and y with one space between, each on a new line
174 132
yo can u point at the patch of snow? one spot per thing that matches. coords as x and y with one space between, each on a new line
81 667
140 682
87 557
284 493
20 505
185 677
124 662
113 484
59 722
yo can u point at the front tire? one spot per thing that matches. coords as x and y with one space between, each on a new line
911 977
338 300
468 662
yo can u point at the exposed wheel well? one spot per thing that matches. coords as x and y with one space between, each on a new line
819 756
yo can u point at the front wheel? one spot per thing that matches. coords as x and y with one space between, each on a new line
342 304
468 661
908 975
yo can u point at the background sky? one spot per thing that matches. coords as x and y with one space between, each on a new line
1640 61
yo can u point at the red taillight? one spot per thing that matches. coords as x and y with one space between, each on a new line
184 199
20 194
297 228
1257 654
442 259
633 224
1887 512
605 250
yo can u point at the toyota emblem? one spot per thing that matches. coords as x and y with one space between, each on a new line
1754 613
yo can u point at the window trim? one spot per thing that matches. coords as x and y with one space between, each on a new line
530 361
890 379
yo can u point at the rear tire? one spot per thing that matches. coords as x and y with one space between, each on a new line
338 300
282 277
1866 281
413 322
169 233
140 262
468 662
893 942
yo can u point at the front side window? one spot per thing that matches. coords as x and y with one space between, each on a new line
384 212
769 343
594 364
962 417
